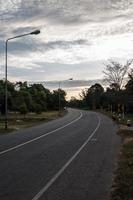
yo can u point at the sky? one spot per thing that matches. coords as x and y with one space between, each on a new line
77 37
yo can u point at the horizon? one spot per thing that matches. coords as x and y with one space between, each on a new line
73 88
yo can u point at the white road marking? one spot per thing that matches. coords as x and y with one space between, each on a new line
39 137
56 176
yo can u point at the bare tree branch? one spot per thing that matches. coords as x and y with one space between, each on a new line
115 72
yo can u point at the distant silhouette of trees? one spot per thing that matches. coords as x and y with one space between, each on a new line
93 96
36 98
113 98
30 98
129 93
76 103
129 85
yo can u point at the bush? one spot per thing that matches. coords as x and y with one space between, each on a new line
38 108
23 109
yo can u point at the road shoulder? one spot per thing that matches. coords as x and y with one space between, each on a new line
122 188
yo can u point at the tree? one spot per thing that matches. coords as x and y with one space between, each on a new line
39 95
10 94
129 85
93 96
75 103
23 109
55 99
2 96
21 85
115 73
129 93
29 98
37 108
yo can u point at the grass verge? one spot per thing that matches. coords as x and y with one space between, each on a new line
17 121
123 182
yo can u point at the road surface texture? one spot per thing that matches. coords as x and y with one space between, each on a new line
71 158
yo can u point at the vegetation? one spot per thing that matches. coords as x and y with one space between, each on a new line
117 98
113 99
29 104
18 121
123 187
35 98
23 109
26 98
115 72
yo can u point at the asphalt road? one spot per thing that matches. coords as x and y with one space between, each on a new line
71 158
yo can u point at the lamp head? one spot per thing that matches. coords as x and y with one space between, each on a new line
36 32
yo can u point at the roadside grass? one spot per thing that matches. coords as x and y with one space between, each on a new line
118 120
127 117
17 121
123 178
122 188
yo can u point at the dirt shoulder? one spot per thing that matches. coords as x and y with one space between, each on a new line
122 188
17 121
124 127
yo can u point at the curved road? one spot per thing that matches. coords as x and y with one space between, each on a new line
71 158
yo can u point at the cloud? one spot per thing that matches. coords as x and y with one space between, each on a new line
63 44
28 45
65 12
72 33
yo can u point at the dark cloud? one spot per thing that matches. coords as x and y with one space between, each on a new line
62 44
22 46
16 47
73 83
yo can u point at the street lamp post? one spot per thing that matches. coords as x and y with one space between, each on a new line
36 32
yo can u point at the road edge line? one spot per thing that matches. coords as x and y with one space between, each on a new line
56 176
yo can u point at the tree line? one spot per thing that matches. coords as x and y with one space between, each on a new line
118 97
25 98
